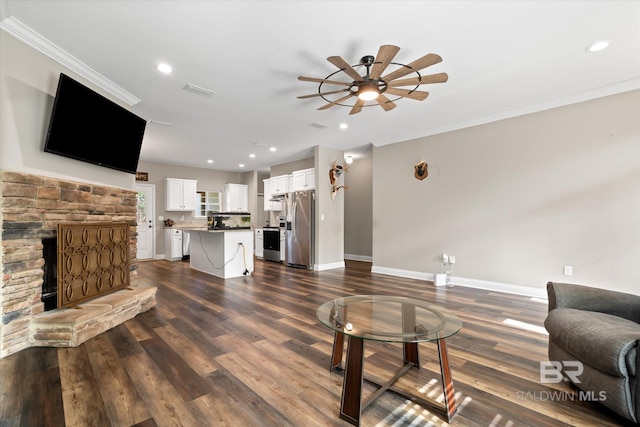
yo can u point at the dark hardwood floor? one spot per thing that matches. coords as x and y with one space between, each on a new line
250 352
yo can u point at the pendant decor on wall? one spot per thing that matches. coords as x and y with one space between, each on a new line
334 174
420 170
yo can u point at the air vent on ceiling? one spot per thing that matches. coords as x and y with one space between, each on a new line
157 122
198 90
319 125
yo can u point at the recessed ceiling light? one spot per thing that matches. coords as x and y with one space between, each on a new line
252 155
241 165
209 161
343 126
272 149
164 68
598 46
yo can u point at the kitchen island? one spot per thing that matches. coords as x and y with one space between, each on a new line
222 253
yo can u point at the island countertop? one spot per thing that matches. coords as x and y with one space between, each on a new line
222 253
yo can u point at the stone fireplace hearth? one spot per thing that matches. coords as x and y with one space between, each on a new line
31 208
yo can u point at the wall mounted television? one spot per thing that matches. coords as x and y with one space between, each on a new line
87 126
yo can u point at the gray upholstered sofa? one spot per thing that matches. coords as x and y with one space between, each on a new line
600 329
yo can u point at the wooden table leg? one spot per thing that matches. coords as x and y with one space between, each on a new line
447 381
350 404
410 352
338 346
410 349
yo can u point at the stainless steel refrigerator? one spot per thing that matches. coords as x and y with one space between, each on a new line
300 235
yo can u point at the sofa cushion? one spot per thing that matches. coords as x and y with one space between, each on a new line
605 342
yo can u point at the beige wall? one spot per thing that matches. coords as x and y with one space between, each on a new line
358 207
28 82
287 168
516 200
329 212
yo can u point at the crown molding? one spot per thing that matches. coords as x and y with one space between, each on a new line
25 34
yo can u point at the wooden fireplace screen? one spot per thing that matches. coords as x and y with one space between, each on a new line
93 260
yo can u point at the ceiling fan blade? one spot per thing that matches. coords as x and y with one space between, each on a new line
331 104
315 80
420 63
385 102
412 94
344 66
322 94
357 107
385 56
431 78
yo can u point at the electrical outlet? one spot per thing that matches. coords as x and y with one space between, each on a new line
568 270
445 258
452 259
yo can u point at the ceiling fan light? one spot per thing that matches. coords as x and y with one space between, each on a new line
368 93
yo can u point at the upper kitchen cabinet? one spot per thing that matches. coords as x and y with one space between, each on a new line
269 203
236 198
181 194
279 184
303 180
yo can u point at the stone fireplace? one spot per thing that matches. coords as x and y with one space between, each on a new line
31 207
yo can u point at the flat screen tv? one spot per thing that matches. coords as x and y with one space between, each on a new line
89 127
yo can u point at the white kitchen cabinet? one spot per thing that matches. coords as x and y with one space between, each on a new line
236 198
280 184
259 246
181 194
172 244
270 205
304 180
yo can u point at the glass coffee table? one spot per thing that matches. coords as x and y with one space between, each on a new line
392 319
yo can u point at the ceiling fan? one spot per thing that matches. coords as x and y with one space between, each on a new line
373 85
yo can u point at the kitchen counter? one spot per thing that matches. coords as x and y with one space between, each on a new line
221 253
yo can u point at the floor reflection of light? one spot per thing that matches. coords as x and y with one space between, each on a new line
412 414
496 421
540 300
526 326
429 388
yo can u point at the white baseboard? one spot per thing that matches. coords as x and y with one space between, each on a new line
364 258
507 288
402 273
330 266
466 282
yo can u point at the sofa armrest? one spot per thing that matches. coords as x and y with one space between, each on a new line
566 295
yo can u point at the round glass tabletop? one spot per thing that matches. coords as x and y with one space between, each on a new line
388 318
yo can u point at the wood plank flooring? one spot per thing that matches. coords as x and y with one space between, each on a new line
250 352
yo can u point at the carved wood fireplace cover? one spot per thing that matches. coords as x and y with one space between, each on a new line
93 260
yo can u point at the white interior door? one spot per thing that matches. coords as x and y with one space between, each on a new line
145 219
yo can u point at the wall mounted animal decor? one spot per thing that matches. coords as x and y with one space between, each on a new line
334 173
420 170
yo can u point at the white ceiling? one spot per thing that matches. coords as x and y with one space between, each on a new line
503 59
